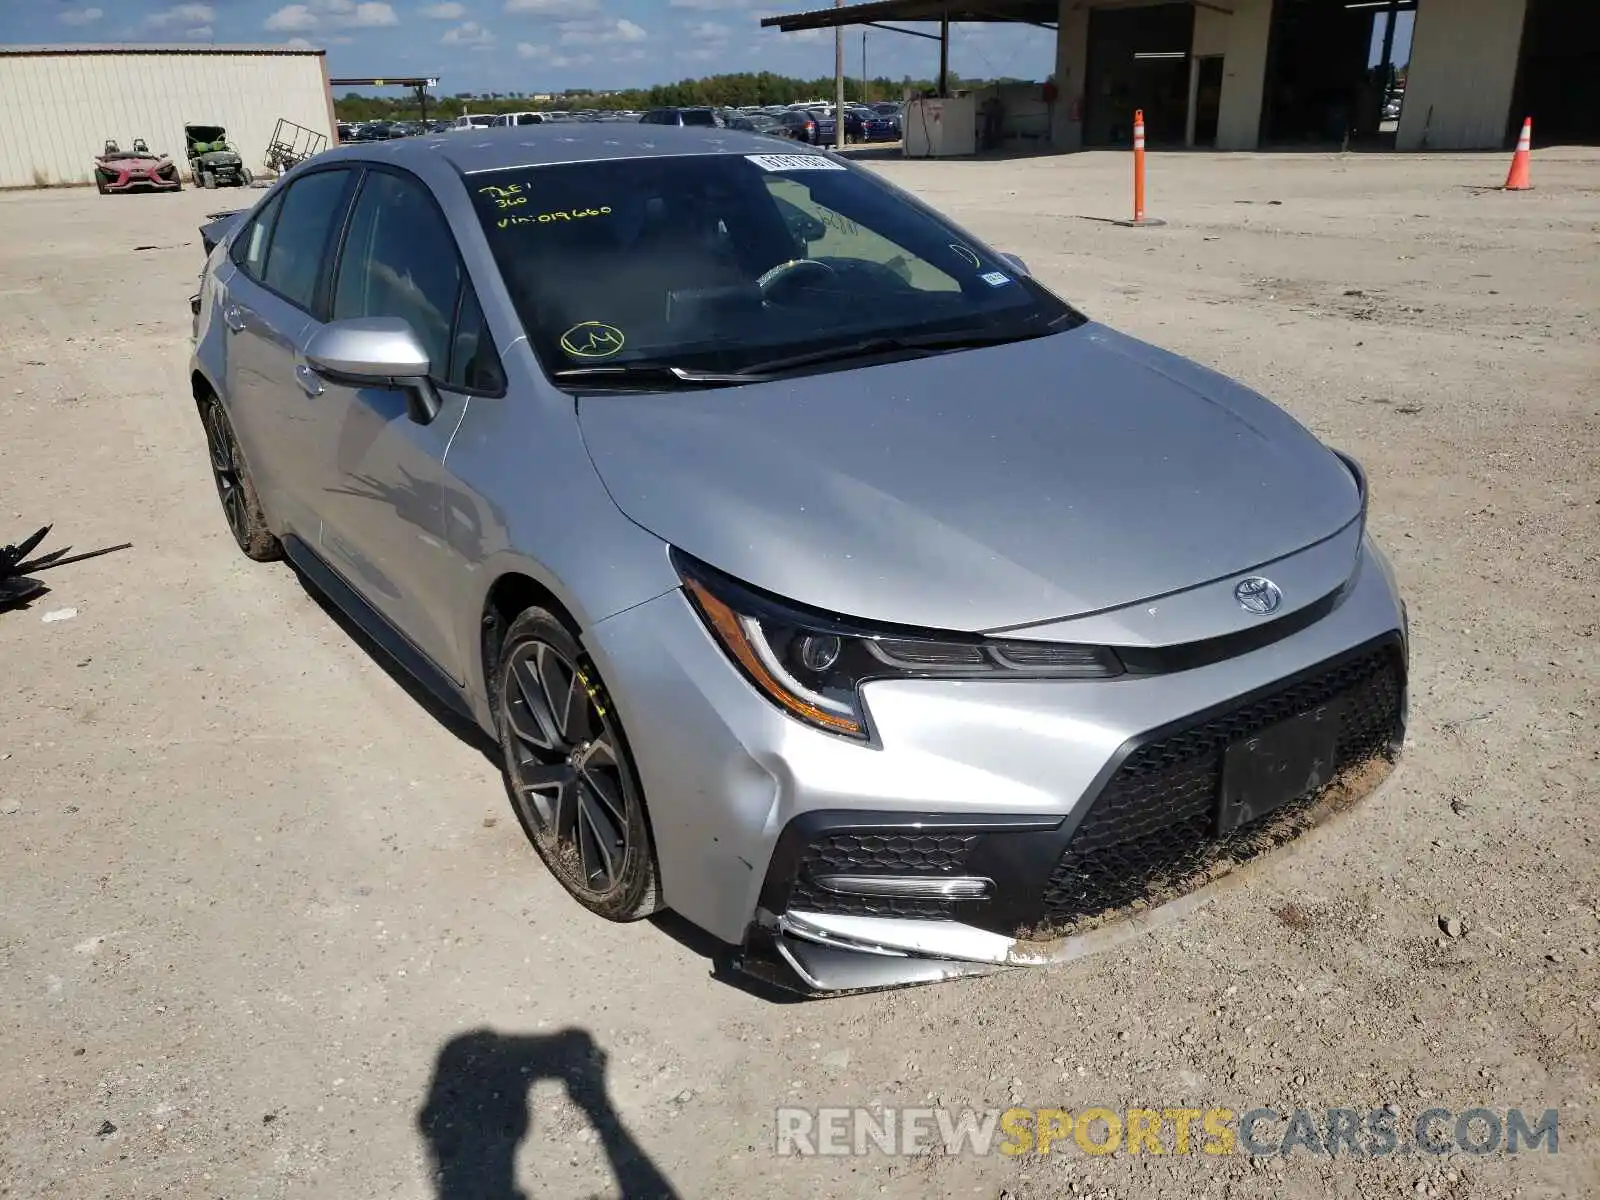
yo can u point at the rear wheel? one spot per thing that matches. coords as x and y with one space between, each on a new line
569 772
235 489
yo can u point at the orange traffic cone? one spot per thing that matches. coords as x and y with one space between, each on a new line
1517 178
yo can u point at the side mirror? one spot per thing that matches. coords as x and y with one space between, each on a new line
376 352
1015 263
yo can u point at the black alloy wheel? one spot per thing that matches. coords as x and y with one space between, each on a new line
235 490
568 771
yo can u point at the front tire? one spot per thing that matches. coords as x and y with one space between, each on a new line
235 489
208 179
569 772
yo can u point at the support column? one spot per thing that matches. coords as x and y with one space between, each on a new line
944 52
1072 56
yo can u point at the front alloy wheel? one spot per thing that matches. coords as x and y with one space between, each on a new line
568 771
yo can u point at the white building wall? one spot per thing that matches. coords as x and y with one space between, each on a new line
58 109
1463 67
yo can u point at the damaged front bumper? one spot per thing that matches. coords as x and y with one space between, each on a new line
819 953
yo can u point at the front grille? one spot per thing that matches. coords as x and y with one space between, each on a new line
884 852
1153 828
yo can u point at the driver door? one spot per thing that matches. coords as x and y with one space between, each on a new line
386 492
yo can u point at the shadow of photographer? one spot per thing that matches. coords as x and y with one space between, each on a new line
478 1111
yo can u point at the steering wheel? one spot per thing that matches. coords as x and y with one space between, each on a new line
788 270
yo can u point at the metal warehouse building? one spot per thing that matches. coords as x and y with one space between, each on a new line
1248 74
60 104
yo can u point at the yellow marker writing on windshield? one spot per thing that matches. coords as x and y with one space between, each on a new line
592 339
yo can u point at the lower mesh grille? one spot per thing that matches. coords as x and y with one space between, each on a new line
887 852
1154 825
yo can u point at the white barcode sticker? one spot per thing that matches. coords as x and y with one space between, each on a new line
995 279
794 162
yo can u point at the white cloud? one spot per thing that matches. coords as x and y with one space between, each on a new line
708 31
81 16
200 33
299 43
552 58
552 8
332 14
445 12
469 34
712 5
292 17
186 15
596 30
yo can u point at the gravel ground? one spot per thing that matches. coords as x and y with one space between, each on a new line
266 921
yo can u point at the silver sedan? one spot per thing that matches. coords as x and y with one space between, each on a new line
820 574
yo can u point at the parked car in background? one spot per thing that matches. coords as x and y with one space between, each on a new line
797 125
470 121
864 124
504 120
683 116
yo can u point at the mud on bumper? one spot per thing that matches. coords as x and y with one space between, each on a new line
856 900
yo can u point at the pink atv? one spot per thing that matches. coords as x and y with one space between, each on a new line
118 170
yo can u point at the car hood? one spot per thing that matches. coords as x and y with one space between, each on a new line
979 489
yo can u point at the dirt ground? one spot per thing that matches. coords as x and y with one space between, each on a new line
261 913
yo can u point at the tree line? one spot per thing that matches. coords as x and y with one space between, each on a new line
738 90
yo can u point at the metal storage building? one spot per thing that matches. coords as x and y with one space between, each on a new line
59 104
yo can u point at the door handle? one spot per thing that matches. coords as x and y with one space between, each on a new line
308 379
233 317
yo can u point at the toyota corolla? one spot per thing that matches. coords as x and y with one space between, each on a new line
821 575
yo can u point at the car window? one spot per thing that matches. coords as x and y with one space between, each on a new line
724 260
249 248
312 209
497 122
474 363
699 116
530 119
400 260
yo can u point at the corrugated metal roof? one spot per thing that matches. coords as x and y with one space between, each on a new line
157 48
1031 12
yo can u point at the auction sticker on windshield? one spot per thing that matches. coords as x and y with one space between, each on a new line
794 162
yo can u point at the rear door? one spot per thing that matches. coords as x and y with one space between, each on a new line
278 258
268 312
386 494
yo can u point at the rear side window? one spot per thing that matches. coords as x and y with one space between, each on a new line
249 249
312 209
698 116
530 119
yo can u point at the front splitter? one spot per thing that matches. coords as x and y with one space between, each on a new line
829 954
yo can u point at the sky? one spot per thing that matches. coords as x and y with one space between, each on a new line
532 45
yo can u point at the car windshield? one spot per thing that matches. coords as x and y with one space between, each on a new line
723 262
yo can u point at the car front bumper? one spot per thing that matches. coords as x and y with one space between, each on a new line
1080 807
152 179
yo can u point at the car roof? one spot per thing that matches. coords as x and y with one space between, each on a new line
553 144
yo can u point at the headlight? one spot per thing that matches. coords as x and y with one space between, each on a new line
813 665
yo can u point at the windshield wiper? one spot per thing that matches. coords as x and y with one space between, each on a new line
656 372
932 343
